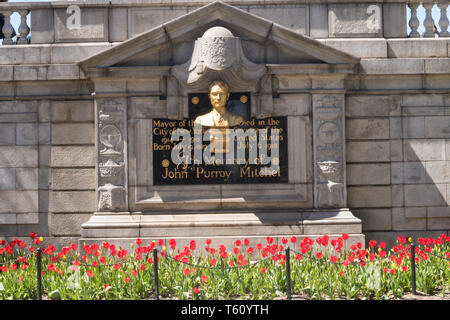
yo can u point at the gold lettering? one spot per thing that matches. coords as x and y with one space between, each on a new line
159 147
175 174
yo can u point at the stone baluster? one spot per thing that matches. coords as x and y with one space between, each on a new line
428 22
24 30
8 30
414 21
443 21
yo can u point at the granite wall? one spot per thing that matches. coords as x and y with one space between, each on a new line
397 119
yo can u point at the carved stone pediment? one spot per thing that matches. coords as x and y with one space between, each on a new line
217 41
161 46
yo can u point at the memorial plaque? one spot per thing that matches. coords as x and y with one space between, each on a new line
252 151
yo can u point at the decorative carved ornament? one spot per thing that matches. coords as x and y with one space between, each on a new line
218 50
111 156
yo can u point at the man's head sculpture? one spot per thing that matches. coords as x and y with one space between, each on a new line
219 92
219 116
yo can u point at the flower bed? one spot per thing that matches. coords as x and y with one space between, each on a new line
319 269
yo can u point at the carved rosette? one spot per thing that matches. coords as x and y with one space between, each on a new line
329 150
111 155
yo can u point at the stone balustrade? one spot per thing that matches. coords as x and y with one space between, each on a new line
9 34
429 23
119 20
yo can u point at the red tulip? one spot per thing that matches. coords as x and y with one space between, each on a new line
372 243
325 240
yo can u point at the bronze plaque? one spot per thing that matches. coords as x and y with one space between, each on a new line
209 148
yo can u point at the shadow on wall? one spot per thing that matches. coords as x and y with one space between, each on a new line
413 198
424 174
2 22
24 205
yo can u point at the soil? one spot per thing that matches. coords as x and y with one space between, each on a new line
423 296
408 296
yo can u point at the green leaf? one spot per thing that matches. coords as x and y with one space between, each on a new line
55 295
2 288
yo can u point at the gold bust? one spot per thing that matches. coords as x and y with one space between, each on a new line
219 116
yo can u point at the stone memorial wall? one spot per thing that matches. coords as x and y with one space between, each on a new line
344 121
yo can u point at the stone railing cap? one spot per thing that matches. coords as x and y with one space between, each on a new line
189 3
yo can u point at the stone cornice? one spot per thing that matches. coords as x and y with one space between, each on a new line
218 13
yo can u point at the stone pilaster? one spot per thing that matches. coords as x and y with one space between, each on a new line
111 167
329 150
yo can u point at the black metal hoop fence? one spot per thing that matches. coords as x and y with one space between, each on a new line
288 251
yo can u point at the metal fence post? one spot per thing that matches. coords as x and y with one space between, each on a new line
413 268
288 273
155 272
39 273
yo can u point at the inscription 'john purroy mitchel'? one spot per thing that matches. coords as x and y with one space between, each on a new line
190 154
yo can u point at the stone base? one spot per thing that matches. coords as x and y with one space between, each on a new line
223 227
